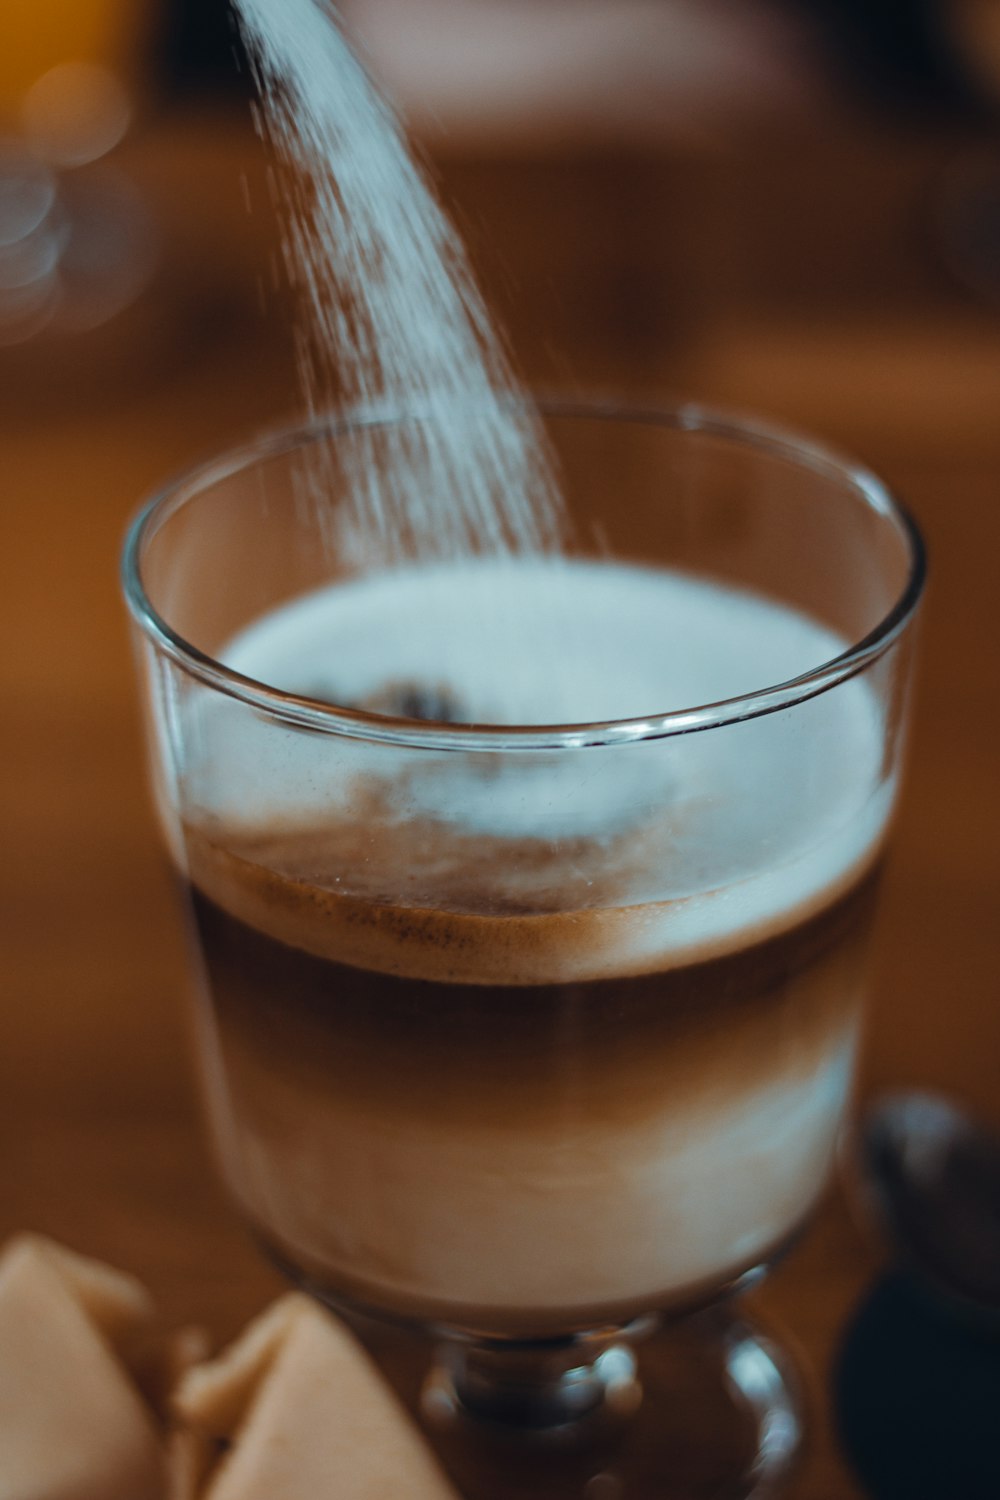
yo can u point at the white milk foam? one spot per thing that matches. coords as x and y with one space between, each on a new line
534 642
756 820
701 1189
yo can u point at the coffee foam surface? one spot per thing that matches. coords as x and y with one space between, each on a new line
533 641
637 856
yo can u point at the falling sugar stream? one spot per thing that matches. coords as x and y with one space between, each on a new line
394 320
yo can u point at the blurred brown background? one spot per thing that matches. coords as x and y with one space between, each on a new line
792 208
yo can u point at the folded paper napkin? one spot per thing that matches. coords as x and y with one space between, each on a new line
96 1402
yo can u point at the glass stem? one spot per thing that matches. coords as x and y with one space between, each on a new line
539 1385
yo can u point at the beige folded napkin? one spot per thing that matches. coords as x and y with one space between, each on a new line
73 1424
295 1410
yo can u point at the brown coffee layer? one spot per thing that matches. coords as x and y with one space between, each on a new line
414 900
497 1053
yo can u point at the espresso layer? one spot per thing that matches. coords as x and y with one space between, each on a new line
517 1051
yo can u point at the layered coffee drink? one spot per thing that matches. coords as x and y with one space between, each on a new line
529 1036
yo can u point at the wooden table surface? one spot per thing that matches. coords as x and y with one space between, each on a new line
810 283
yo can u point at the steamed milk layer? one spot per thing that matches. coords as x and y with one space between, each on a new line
538 1039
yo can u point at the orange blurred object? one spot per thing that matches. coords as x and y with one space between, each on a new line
76 247
42 34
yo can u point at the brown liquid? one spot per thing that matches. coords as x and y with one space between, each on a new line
526 1156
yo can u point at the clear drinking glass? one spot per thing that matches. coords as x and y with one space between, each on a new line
538 1037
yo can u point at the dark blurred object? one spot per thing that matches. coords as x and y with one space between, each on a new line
917 1396
967 222
199 48
934 1179
917 1383
900 55
915 57
976 28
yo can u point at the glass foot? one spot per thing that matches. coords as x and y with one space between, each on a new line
706 1409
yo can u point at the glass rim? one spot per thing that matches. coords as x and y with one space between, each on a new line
324 717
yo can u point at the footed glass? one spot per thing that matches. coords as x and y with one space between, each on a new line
532 900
